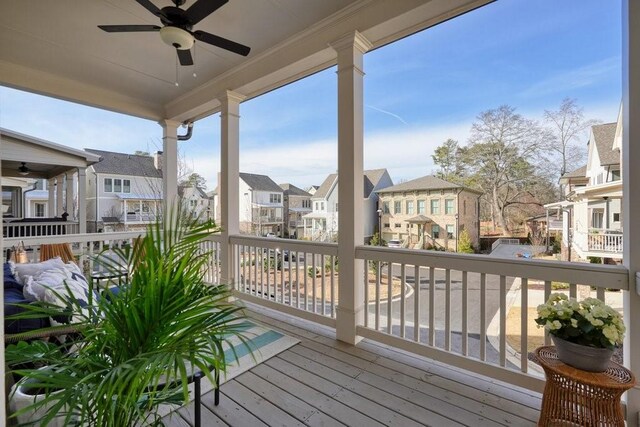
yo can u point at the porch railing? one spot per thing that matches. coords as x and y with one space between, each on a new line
605 242
458 308
44 228
294 276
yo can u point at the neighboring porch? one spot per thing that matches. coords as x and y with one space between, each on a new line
321 381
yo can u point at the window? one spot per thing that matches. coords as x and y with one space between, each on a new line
11 197
615 175
117 186
450 231
386 225
435 231
448 207
616 217
385 207
108 185
321 206
435 207
126 186
306 204
336 207
596 219
275 198
397 225
420 207
464 207
397 207
40 209
410 207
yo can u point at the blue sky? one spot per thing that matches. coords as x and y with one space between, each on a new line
419 91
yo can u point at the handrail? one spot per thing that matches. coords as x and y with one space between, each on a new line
74 238
599 275
320 248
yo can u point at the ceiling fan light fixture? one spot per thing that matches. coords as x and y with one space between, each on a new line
176 37
23 170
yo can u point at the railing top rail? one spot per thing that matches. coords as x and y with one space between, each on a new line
72 238
215 237
31 223
288 244
605 276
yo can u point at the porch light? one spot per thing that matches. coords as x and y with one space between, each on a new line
176 37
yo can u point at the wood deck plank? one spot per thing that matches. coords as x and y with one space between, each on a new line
324 382
498 401
261 408
325 403
414 401
406 413
277 396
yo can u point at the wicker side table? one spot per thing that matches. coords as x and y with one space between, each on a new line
575 397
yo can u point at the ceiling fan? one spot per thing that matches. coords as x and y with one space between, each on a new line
177 29
23 170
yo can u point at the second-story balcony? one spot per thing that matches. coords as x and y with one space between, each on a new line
599 243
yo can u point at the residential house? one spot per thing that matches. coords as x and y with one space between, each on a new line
429 212
28 161
261 205
297 203
196 200
322 223
592 209
124 191
312 189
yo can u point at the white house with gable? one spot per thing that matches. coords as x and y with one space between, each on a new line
322 223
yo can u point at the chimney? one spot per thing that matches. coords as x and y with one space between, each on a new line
157 160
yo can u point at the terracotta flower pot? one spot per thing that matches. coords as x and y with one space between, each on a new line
590 359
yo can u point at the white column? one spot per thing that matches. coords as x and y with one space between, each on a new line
169 161
60 195
631 198
3 397
350 311
51 205
229 185
82 200
70 196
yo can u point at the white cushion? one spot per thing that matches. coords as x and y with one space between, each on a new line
49 286
22 271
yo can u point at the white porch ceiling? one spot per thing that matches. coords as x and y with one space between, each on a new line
55 48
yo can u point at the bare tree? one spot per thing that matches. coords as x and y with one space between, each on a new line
502 157
565 126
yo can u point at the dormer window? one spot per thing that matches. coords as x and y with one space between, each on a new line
275 198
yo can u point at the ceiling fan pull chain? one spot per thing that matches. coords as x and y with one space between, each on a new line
177 71
195 61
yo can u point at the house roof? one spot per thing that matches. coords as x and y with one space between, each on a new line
325 187
371 179
604 136
428 182
581 172
292 190
198 190
260 182
125 164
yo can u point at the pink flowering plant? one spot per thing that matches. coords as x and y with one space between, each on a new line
589 322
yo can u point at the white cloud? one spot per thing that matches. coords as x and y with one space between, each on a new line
574 78
406 153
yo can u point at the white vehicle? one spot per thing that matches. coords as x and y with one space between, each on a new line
394 244
271 235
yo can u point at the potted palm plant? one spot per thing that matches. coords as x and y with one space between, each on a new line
135 350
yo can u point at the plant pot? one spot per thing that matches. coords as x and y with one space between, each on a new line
22 396
590 359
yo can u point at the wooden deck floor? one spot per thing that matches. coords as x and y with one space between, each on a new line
322 382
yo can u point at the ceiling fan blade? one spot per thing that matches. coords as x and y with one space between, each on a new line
184 56
227 44
150 7
203 8
128 28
